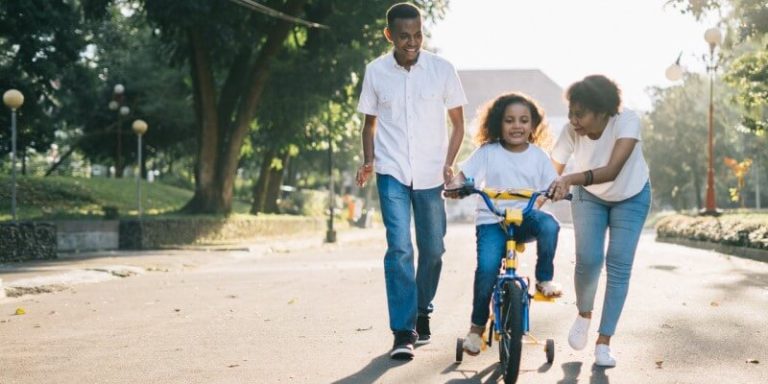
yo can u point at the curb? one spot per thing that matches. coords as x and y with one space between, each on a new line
744 252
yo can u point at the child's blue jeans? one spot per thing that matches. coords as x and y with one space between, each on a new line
491 249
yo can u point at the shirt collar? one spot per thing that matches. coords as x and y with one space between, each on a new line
419 61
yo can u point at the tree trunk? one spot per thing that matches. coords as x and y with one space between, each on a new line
260 188
273 189
204 200
219 152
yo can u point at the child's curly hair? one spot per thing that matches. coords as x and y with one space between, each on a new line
492 115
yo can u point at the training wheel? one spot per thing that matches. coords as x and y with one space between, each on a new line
459 350
549 349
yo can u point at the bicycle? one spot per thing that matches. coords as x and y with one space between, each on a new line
511 297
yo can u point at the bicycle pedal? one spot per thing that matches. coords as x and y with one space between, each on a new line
538 296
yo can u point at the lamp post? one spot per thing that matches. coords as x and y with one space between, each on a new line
13 99
139 128
713 37
330 235
674 72
122 110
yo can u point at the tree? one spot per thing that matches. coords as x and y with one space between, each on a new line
674 143
39 40
312 94
746 50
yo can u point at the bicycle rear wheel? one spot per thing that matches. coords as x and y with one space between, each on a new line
511 343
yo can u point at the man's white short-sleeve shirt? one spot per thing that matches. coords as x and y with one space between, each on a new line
411 139
591 154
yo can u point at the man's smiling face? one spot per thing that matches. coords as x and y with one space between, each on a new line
406 38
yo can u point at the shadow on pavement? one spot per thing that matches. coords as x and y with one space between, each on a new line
598 375
373 371
472 376
571 373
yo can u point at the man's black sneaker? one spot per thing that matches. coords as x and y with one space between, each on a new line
403 347
422 328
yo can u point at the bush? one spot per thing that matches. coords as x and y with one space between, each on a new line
740 230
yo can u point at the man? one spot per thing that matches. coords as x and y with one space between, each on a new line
404 98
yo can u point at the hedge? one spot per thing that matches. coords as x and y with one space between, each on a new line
742 230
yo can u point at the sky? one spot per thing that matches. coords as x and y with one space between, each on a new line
631 41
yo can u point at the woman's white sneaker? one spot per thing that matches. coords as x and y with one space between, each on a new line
577 337
603 357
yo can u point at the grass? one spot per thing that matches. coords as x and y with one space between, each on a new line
50 198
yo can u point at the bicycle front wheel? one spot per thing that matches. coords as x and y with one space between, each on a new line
511 343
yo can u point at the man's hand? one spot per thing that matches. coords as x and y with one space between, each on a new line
447 174
363 174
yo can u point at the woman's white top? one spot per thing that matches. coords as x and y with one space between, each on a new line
592 154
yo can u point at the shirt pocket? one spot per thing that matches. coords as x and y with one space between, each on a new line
387 109
431 100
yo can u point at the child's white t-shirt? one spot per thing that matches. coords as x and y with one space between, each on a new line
492 166
591 154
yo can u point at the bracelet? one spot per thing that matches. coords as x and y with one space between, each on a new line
588 177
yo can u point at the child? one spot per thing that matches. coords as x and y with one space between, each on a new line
507 158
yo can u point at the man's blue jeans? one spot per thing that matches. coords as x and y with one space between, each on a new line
623 220
410 290
491 249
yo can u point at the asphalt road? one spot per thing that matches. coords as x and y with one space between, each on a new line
299 311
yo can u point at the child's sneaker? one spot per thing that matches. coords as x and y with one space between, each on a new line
473 343
603 357
549 288
577 337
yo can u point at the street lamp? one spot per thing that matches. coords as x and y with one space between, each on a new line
13 99
122 110
674 72
139 128
713 37
330 235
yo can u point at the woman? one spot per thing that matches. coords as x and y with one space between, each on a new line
611 192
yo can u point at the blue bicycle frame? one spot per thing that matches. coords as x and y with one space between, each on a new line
511 219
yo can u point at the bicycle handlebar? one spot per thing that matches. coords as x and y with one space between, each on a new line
504 194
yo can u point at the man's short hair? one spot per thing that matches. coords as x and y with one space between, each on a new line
402 11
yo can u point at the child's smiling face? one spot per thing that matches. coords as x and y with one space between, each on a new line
516 127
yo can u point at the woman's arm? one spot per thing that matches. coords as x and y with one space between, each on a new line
621 152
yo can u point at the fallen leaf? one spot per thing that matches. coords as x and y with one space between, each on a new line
659 363
20 311
753 361
714 304
177 310
291 301
233 365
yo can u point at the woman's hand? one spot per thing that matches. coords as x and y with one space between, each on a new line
559 188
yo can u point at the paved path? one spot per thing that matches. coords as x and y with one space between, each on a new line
299 311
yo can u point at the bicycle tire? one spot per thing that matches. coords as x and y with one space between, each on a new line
511 343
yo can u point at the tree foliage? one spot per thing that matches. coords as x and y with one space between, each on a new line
746 50
39 42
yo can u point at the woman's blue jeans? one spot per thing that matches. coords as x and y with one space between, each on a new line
491 249
410 290
623 221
